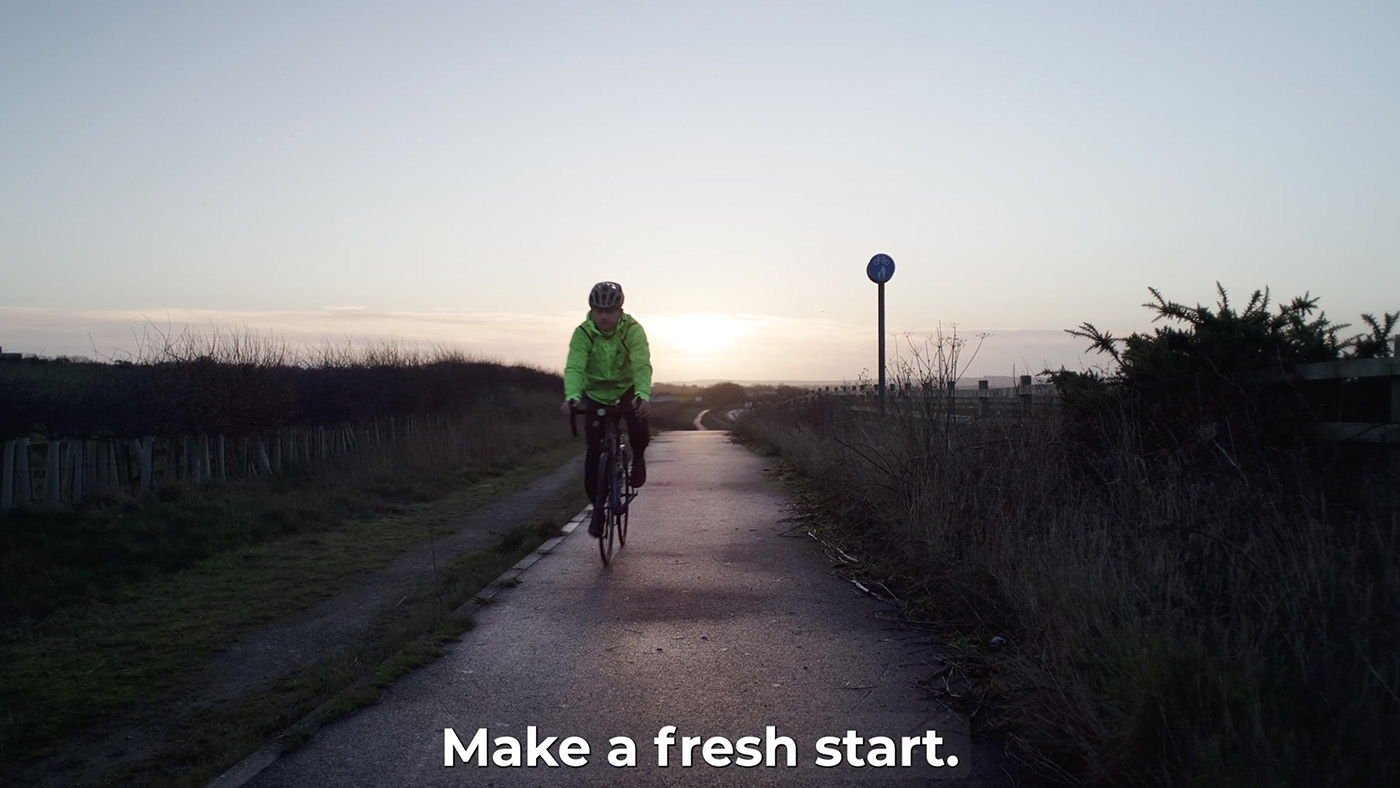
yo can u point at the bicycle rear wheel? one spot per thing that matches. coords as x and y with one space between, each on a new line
625 494
610 529
602 506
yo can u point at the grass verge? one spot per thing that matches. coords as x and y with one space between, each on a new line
1125 618
122 649
290 712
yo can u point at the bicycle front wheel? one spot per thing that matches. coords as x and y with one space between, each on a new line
602 507
626 494
610 530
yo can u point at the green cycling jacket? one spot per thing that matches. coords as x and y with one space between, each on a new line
604 366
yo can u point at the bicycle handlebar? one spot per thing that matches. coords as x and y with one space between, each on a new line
614 410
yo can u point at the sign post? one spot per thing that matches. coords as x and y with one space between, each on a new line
880 269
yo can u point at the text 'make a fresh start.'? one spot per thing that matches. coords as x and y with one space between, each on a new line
850 749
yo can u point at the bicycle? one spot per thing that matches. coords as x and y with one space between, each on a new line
614 494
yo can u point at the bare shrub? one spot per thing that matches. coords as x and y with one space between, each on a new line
1167 623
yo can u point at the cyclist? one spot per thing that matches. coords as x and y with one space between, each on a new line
609 361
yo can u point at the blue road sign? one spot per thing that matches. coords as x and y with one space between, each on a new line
880 269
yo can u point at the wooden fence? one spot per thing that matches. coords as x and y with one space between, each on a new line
1371 373
983 401
1359 371
57 472
1028 395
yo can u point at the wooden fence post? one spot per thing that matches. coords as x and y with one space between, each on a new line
191 465
92 480
53 469
185 461
24 478
91 472
114 478
76 450
87 458
7 476
145 448
1394 449
222 464
122 450
127 467
97 452
984 398
264 464
1026 394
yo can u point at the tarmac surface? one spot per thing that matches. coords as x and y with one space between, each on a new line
717 618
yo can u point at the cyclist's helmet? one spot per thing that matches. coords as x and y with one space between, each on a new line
605 295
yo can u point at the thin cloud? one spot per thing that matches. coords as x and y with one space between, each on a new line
755 347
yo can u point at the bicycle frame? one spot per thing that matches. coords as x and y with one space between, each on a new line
614 493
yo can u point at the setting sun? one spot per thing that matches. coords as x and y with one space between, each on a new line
696 334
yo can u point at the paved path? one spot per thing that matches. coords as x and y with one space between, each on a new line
714 619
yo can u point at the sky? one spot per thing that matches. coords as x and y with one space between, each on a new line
459 174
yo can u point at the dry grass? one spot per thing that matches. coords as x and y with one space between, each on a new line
1165 625
104 607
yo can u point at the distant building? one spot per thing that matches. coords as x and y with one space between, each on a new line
10 356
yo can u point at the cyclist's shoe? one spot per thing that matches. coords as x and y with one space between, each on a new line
595 524
639 471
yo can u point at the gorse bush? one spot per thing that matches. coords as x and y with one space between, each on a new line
1224 341
1207 382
